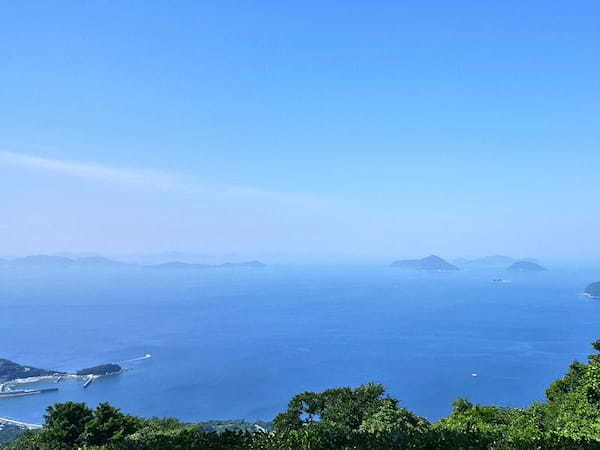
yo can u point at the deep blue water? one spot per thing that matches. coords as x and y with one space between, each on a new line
238 343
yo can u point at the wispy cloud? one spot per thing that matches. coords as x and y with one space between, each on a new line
155 179
161 180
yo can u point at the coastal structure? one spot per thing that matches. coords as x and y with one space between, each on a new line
25 392
13 375
89 381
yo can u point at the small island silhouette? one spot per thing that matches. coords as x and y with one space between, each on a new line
526 266
593 290
431 263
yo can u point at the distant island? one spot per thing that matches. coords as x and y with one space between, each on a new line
432 263
183 265
243 264
593 290
13 375
178 265
526 266
61 261
42 260
100 262
104 369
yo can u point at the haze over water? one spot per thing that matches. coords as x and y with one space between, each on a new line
238 343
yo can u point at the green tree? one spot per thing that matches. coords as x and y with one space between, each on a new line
66 423
108 424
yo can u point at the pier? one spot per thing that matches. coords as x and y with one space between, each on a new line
89 381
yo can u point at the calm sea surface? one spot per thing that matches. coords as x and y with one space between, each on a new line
239 343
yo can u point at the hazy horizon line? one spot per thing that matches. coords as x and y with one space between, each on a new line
275 257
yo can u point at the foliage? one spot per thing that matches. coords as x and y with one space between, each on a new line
104 369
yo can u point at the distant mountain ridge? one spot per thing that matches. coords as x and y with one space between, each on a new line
182 265
98 261
432 262
526 266
61 261
42 260
39 261
177 265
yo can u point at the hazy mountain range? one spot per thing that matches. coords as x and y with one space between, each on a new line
526 266
181 265
41 261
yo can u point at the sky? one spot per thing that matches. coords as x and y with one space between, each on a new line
301 131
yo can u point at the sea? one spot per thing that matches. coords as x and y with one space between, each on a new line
239 343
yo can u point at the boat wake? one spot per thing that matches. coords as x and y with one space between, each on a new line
141 358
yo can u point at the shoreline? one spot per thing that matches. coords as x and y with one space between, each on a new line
86 376
9 386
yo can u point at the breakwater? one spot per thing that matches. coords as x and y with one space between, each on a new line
25 392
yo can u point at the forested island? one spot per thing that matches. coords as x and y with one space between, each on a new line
102 370
364 418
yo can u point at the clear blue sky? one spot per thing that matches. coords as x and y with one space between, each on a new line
316 130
